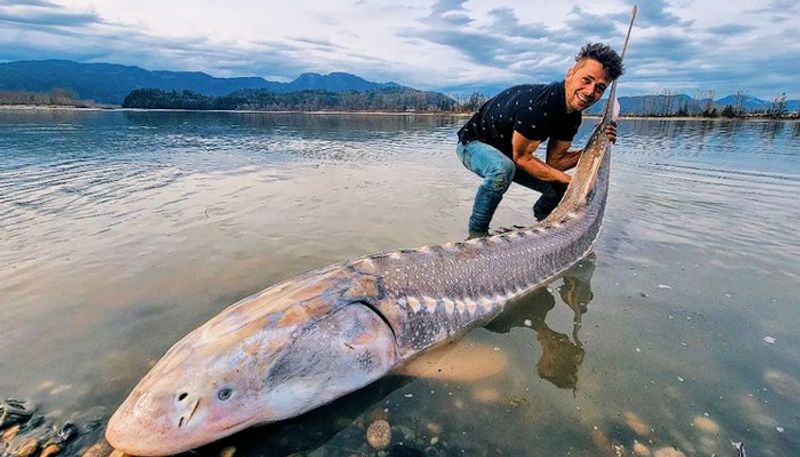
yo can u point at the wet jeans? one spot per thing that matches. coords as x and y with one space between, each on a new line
498 172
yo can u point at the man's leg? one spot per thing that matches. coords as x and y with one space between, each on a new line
552 192
497 172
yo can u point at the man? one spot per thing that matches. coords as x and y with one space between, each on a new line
498 142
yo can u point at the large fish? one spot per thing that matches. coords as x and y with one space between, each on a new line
303 343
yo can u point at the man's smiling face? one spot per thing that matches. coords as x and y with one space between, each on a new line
584 84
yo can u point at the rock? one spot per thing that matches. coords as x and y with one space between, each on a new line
641 450
99 449
228 452
600 440
668 452
785 385
485 395
434 428
50 450
27 449
14 412
67 431
379 434
636 424
706 425
10 433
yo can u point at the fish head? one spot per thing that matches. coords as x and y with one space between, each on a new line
197 393
247 366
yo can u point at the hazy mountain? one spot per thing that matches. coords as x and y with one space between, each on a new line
110 83
333 82
671 104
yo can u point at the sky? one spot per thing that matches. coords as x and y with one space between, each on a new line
680 46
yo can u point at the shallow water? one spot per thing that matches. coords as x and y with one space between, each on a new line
122 231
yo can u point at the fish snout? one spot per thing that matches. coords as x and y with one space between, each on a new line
151 423
186 406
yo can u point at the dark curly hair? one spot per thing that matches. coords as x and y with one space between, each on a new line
611 61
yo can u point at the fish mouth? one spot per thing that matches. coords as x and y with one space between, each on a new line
135 437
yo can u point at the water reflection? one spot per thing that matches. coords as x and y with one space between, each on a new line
561 356
771 130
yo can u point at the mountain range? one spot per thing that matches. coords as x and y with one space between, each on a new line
110 83
671 104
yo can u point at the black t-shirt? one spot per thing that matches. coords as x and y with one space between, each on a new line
537 112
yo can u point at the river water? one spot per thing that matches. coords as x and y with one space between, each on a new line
122 231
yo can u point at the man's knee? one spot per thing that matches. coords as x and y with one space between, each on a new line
502 175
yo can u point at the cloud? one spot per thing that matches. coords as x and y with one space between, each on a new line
26 3
676 44
654 13
43 13
581 24
504 21
730 29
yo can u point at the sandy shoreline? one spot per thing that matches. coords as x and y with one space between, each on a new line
352 113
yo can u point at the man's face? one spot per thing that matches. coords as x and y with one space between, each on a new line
584 84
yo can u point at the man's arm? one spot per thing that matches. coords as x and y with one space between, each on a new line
560 157
523 150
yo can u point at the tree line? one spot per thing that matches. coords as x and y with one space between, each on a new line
388 99
56 97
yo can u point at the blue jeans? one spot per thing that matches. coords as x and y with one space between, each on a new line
498 172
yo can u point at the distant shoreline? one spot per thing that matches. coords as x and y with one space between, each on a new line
356 113
174 110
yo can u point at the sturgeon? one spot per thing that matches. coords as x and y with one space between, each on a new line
305 342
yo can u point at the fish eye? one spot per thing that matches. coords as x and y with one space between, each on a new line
224 394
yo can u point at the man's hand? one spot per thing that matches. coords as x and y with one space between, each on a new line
611 131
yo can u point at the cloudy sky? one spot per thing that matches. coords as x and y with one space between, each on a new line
678 45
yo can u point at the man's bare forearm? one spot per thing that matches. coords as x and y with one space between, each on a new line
566 160
542 170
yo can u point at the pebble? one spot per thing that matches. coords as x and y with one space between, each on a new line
705 424
636 424
664 286
640 449
379 434
28 448
50 450
228 452
784 384
769 339
485 395
10 433
600 441
780 429
669 452
434 428
99 449
528 323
